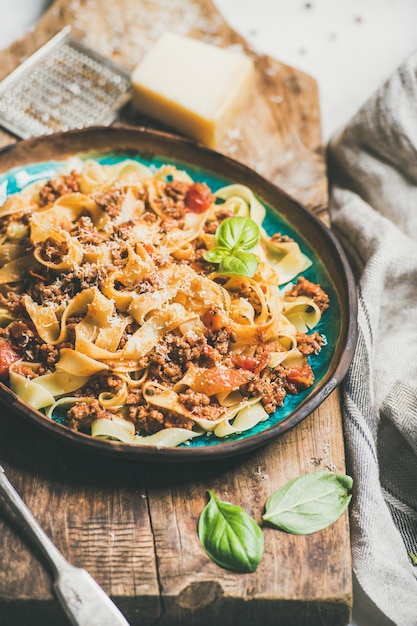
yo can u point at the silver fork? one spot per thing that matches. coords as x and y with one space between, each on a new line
84 601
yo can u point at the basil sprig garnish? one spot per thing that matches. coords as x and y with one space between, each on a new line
309 502
230 536
235 237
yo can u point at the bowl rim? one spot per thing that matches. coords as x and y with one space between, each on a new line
25 151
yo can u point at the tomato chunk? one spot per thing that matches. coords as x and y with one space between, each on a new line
198 198
214 318
300 377
8 356
254 364
245 362
219 380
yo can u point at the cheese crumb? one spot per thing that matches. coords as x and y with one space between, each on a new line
193 87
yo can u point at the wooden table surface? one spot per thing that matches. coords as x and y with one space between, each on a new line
133 525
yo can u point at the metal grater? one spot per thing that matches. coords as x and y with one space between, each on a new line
63 85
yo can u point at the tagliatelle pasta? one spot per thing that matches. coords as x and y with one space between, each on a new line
119 319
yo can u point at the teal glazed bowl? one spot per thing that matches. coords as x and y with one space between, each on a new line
40 158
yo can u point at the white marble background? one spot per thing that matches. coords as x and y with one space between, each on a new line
349 46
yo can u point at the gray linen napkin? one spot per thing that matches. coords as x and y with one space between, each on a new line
373 191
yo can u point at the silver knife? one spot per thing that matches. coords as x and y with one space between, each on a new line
84 601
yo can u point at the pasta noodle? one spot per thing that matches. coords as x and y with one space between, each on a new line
116 320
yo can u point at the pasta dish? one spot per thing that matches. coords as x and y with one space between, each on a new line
141 306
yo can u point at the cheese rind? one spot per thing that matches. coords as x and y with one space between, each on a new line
192 87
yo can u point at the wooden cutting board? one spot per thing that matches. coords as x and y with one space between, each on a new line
133 525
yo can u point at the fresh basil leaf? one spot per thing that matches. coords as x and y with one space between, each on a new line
242 263
230 536
309 502
216 254
238 233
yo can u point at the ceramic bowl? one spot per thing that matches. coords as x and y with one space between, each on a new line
41 157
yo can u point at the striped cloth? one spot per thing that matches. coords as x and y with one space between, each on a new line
373 204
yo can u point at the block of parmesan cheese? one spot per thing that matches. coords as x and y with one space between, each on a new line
193 87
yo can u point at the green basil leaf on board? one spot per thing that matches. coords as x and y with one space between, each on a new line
309 502
230 536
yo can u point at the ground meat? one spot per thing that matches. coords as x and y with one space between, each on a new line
278 238
173 354
251 296
21 217
43 293
71 325
82 414
47 354
149 420
86 232
309 344
149 217
52 251
199 405
173 205
152 282
173 420
135 396
147 285
182 349
177 190
110 201
111 382
210 357
221 215
190 399
63 185
219 335
21 335
304 287
13 302
211 227
27 372
83 277
162 368
266 348
169 223
221 339
197 261
269 388
199 244
119 254
122 232
210 412
273 385
103 381
169 200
